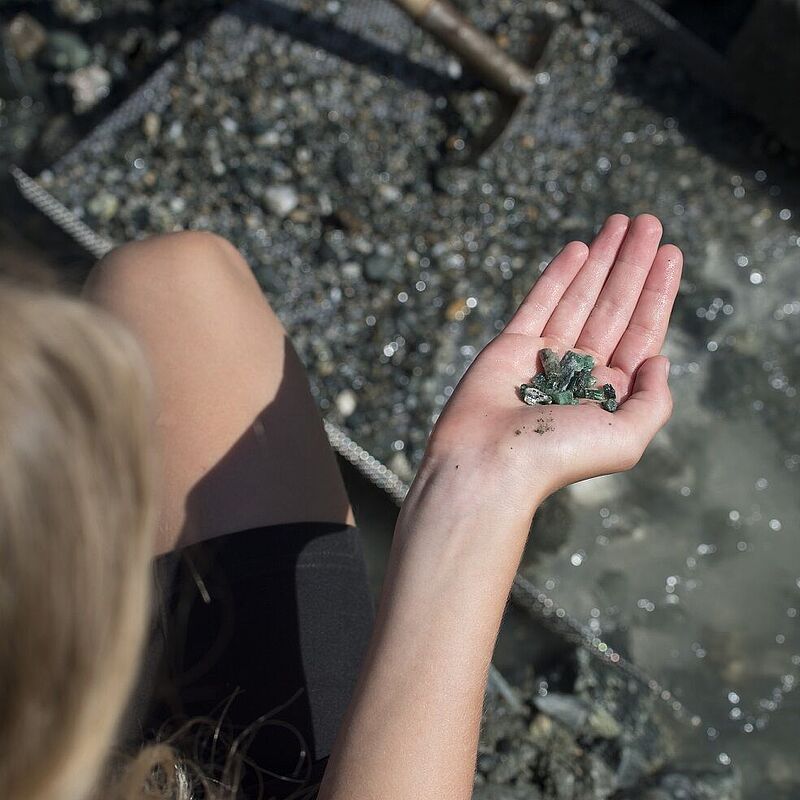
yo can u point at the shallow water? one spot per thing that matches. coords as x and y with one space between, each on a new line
690 564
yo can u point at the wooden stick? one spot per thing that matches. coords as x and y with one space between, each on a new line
477 50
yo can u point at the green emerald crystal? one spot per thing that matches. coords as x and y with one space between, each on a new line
571 363
541 383
563 398
552 369
563 382
594 394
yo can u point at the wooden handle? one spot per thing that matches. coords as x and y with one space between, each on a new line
416 8
477 50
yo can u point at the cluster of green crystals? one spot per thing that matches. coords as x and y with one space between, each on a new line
565 382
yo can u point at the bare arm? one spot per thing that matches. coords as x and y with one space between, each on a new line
413 724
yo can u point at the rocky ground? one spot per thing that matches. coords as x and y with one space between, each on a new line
587 732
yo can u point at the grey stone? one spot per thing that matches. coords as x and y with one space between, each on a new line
104 206
151 125
66 51
346 402
379 268
566 709
689 783
89 86
281 200
26 35
493 791
79 11
603 724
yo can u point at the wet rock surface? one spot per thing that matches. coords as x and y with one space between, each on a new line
399 242
590 733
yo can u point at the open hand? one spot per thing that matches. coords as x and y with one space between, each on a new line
611 300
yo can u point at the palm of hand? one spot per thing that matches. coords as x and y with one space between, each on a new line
613 301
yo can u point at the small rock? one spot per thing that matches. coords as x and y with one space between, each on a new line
66 51
487 762
454 69
351 270
325 205
229 125
456 309
89 86
103 206
564 708
494 791
378 267
175 130
389 193
26 35
151 125
602 724
541 729
79 11
676 783
267 139
346 402
400 465
281 200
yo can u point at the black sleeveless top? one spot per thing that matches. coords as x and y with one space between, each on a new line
254 649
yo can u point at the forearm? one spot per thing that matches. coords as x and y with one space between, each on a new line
412 727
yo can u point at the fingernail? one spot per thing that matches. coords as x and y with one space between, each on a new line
666 367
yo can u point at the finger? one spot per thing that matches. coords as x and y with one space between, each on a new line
648 325
609 318
573 309
537 307
650 404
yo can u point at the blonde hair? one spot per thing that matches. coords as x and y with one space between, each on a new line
77 514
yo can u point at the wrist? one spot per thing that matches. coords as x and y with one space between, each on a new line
460 503
485 485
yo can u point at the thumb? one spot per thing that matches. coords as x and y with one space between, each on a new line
649 405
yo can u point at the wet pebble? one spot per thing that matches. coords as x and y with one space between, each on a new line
281 200
26 36
89 86
151 126
379 268
346 403
66 51
103 206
